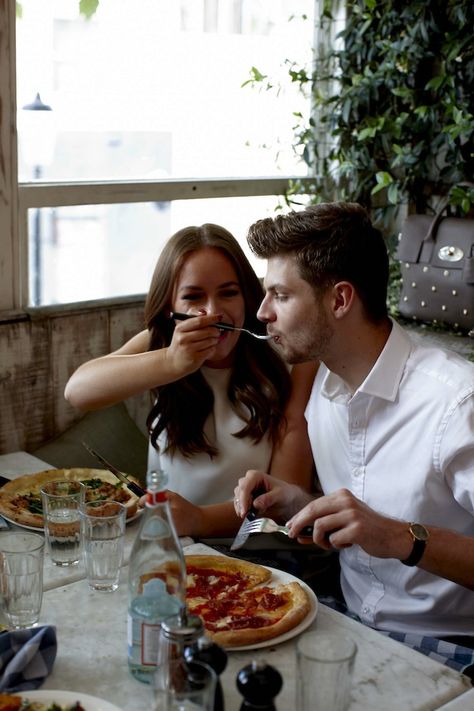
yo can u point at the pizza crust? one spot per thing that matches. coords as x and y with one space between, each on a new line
254 574
32 483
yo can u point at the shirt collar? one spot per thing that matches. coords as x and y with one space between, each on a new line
384 378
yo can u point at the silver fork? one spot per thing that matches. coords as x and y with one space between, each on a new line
222 326
268 525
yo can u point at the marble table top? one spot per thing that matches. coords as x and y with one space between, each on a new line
92 657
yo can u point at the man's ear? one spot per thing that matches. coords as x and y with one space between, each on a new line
342 298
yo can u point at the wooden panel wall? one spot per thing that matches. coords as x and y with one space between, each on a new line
37 356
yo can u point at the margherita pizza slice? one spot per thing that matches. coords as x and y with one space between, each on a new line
20 499
237 606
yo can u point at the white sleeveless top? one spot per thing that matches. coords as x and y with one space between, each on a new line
199 478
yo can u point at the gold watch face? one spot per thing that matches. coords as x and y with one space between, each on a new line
419 532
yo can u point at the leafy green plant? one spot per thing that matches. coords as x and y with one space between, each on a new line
87 8
392 119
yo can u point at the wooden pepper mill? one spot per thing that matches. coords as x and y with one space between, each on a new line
259 683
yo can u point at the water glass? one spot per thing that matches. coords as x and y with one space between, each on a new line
191 686
62 501
325 663
21 577
196 692
103 532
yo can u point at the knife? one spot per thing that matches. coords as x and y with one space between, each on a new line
252 514
137 490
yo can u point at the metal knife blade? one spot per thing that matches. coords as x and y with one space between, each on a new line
252 514
137 490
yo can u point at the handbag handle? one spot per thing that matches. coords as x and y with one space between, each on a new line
429 241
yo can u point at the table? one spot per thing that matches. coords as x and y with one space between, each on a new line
91 631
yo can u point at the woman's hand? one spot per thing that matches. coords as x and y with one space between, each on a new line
187 517
193 342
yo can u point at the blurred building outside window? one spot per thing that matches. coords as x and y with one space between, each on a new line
150 91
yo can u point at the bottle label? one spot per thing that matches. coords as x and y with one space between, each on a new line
150 636
143 640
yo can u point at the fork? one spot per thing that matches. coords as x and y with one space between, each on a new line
268 525
222 326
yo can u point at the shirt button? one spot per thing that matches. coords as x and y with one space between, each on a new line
366 610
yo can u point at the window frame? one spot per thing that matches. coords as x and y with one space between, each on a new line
17 198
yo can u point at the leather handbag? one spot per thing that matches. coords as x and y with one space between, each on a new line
437 268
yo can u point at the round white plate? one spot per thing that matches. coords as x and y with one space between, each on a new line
281 577
90 703
40 530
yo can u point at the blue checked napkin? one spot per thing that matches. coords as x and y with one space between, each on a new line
26 657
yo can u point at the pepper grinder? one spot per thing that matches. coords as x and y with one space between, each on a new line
204 650
259 683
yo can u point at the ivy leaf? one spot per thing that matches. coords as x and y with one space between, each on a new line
88 8
383 179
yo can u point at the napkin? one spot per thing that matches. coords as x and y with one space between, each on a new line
26 657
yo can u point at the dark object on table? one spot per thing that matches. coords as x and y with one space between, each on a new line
259 683
204 650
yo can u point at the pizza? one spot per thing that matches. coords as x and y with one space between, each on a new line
238 603
20 499
9 702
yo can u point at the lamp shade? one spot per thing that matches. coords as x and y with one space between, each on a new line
37 133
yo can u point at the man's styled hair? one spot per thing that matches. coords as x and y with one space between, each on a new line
331 242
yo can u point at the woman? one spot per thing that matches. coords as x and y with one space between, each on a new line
222 399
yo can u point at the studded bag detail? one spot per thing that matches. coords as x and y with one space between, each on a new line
437 267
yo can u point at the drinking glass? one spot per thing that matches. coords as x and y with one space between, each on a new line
21 577
325 663
103 531
62 501
191 687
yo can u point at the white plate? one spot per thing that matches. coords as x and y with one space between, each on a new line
90 703
281 577
40 530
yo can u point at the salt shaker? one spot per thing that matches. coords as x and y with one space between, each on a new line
177 632
259 683
204 650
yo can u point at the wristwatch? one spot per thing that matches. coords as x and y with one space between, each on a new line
420 535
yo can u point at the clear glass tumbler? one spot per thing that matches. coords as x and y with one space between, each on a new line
325 663
21 577
62 501
103 532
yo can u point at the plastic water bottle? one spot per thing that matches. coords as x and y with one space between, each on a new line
157 579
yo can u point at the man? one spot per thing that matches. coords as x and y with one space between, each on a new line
390 423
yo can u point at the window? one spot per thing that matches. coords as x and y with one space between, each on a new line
150 130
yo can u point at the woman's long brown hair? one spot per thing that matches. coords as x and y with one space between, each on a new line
260 383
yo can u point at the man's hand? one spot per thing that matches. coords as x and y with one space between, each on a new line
279 501
341 520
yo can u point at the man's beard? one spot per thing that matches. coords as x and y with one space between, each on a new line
311 345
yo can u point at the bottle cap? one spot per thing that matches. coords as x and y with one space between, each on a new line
155 487
184 629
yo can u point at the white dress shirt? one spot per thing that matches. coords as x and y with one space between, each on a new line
199 478
404 444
